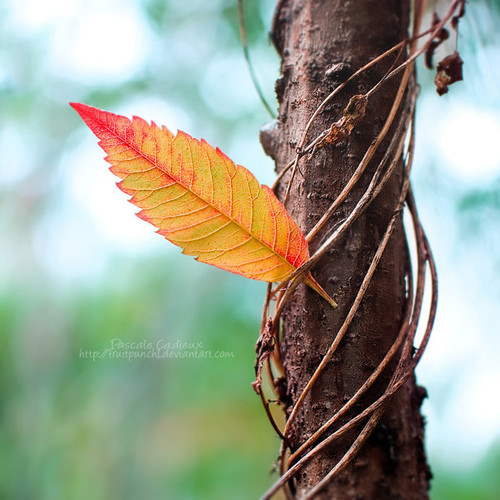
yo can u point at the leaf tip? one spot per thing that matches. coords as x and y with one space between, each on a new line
79 107
87 113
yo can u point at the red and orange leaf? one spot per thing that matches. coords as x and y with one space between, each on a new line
199 199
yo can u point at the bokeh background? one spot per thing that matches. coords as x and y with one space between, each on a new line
79 273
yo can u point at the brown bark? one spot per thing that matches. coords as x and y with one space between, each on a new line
321 43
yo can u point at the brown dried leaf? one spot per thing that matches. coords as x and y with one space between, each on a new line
352 114
264 348
449 71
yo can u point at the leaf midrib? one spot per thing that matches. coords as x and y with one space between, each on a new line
155 165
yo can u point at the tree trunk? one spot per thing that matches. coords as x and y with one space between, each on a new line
322 43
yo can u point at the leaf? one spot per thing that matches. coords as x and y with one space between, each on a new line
200 200
449 71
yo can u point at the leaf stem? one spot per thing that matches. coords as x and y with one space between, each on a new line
312 283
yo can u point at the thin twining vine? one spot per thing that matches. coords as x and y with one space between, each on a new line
246 55
269 356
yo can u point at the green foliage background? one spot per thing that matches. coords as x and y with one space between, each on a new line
77 428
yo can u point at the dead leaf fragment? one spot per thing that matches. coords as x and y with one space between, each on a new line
449 71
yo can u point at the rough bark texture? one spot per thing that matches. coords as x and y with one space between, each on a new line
321 43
